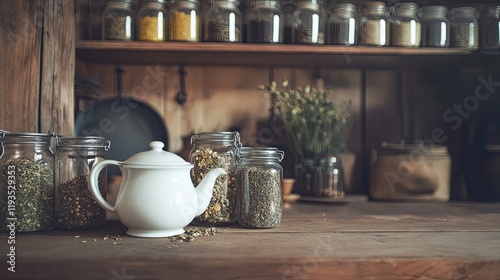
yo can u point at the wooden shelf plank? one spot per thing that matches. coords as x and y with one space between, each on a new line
263 54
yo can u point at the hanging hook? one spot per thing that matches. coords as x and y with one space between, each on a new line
182 95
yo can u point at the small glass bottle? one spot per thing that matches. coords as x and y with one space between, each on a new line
260 196
374 24
216 150
329 177
75 205
223 22
185 21
490 28
265 22
405 25
341 28
310 22
435 27
26 182
152 21
118 20
464 28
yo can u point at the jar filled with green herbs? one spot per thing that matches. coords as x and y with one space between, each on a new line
216 150
75 205
464 28
26 182
259 177
118 20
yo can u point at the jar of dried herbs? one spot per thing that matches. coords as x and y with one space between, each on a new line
26 182
490 28
185 25
405 25
374 24
310 22
223 22
342 28
212 150
265 23
118 20
152 21
259 177
75 206
464 28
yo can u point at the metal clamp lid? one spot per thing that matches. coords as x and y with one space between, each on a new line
2 135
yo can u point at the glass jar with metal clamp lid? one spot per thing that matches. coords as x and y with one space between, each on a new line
310 22
329 177
152 21
265 22
185 21
374 24
464 28
223 22
75 205
406 29
435 27
118 20
26 182
342 25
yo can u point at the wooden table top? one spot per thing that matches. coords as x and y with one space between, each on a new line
353 239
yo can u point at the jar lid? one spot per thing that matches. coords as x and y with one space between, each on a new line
436 10
25 137
464 12
156 158
83 142
329 160
229 137
392 148
260 153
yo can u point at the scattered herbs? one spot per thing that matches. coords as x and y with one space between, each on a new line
31 183
76 207
222 206
192 233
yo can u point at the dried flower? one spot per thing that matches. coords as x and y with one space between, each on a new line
313 122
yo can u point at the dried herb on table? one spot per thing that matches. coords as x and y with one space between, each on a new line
222 206
76 208
192 233
34 195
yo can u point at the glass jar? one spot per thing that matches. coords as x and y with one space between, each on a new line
152 21
185 21
216 150
435 27
329 177
288 8
265 22
374 24
464 29
118 20
310 22
341 28
490 28
223 22
26 182
75 205
260 196
405 25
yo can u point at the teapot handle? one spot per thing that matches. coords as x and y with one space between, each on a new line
94 183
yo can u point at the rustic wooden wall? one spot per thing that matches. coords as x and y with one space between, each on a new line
37 65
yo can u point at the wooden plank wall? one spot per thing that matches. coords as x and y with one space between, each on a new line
37 65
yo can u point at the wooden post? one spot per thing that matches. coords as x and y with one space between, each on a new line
37 63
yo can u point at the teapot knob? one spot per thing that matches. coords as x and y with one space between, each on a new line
156 146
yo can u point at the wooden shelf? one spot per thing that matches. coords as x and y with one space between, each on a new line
350 240
262 55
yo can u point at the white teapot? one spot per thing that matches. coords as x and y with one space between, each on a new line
156 197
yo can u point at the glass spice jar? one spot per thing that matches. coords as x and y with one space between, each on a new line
405 25
216 150
490 28
341 27
374 24
464 29
260 196
118 20
75 205
152 21
288 8
265 22
329 177
310 22
26 182
223 22
435 27
185 21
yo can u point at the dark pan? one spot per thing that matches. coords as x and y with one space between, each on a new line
129 124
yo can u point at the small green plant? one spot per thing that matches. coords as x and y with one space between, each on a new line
313 122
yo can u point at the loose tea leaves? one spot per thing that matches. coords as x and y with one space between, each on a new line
222 206
76 208
259 197
27 194
192 233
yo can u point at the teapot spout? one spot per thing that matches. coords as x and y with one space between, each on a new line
205 188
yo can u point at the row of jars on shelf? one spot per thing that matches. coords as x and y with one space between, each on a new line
42 188
404 24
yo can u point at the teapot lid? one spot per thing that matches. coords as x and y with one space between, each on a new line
156 157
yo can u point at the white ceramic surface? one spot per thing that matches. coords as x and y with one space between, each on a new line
156 197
